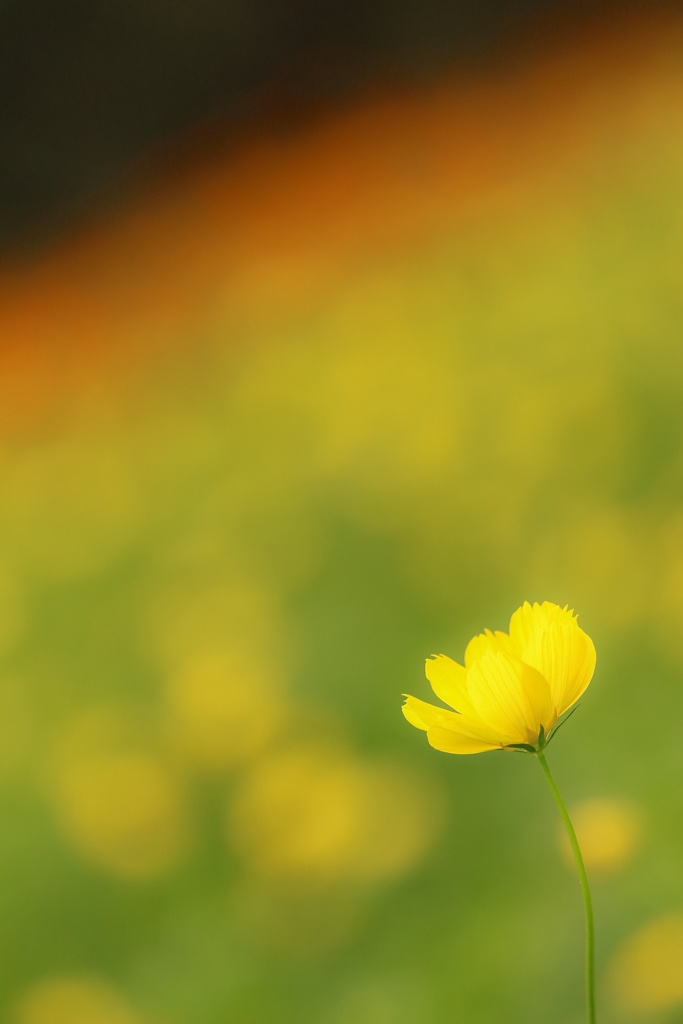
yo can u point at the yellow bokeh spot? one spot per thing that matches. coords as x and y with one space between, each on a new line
384 413
185 622
73 1000
609 833
223 708
317 813
646 975
401 817
118 802
379 403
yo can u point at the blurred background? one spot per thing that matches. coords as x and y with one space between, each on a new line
328 335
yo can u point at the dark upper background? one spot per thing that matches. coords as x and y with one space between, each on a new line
90 89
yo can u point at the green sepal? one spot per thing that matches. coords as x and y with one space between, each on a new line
560 724
529 748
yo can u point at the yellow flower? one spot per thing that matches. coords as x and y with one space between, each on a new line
513 686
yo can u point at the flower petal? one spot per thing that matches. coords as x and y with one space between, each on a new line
568 660
423 715
550 639
529 620
449 682
452 742
510 697
470 734
487 641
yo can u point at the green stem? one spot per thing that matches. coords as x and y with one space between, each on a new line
583 879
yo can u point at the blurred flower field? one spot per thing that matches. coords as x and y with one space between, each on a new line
300 418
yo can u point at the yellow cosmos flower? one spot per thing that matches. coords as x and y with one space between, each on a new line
513 686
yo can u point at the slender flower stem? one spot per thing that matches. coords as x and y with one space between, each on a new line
583 879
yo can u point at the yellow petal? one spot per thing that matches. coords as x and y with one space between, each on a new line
449 682
510 697
550 639
423 715
487 641
467 732
452 742
529 620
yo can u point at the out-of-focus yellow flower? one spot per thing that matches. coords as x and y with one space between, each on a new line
513 686
118 801
645 976
73 1000
316 813
224 708
609 832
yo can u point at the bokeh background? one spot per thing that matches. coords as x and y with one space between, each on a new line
327 337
